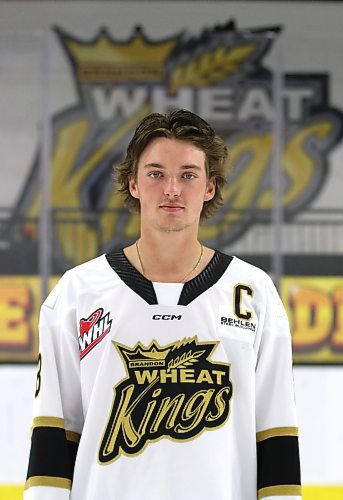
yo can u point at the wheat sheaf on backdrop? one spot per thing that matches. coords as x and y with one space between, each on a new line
210 66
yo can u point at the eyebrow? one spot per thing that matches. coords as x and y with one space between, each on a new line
183 167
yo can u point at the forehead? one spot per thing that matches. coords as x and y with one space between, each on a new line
172 151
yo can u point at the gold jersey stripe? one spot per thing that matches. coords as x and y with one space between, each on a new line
73 436
276 432
57 423
48 422
56 482
282 489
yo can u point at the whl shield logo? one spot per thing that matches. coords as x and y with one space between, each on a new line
173 392
221 74
93 330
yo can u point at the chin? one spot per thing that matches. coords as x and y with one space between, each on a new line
172 228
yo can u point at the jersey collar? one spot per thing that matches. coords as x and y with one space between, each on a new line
191 289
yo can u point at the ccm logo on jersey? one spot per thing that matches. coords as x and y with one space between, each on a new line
166 317
93 330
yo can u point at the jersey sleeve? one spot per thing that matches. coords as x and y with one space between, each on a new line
278 464
58 416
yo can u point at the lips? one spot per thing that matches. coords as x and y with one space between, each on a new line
171 207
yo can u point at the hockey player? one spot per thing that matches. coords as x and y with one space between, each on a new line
165 368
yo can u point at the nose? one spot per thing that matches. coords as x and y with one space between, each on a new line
172 187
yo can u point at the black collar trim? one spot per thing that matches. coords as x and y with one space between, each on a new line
131 277
207 278
191 289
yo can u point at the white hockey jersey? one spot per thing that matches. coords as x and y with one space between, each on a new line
165 391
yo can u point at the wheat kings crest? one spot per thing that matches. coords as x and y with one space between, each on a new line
173 392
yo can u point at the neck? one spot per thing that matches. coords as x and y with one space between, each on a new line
169 257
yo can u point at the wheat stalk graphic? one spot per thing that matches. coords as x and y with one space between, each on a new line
186 359
210 66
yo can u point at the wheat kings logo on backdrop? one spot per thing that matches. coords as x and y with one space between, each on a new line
219 74
174 392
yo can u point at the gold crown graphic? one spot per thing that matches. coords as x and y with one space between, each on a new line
104 60
153 354
139 353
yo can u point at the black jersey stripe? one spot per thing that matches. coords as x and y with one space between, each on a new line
56 422
191 289
207 278
131 276
278 462
52 455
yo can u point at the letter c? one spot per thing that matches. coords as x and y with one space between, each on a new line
237 299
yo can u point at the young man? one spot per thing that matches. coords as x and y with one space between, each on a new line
165 369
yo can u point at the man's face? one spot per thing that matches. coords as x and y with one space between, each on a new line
171 185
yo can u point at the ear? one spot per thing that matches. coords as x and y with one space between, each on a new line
133 187
210 189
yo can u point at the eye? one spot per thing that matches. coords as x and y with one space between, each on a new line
155 174
189 176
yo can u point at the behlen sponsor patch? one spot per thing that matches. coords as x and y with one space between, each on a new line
93 330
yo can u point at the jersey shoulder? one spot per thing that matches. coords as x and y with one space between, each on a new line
98 264
243 270
262 282
86 276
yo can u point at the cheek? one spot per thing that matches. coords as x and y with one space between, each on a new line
196 199
147 191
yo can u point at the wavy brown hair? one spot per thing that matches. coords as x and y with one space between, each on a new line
182 125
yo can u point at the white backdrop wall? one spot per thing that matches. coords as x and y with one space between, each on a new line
312 42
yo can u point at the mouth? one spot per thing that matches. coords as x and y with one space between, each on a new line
170 207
